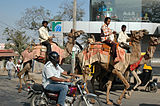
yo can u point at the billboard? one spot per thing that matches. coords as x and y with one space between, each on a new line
57 26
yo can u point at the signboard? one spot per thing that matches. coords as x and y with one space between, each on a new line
57 27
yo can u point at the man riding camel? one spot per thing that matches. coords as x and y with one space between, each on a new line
123 39
107 36
44 36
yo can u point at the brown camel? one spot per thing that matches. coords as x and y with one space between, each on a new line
37 54
154 41
120 67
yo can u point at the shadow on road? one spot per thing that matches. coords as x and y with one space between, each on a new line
148 104
25 104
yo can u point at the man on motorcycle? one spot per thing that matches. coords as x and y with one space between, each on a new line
51 79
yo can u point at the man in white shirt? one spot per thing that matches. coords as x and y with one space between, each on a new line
122 38
51 78
44 36
9 67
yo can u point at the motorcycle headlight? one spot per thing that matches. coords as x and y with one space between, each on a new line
83 86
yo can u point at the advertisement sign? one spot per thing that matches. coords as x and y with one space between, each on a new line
57 27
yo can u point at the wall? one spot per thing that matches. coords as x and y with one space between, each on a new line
94 26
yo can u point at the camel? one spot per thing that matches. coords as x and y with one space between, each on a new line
120 67
38 53
154 41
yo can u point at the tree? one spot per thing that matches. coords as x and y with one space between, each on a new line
33 17
66 12
16 40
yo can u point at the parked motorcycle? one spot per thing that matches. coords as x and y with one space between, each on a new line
41 97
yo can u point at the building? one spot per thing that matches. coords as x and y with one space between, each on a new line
125 10
4 55
135 14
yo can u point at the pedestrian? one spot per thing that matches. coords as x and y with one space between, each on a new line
44 36
18 68
9 67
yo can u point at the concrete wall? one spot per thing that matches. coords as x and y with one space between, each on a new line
94 26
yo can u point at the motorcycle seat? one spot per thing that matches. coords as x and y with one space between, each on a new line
49 91
38 87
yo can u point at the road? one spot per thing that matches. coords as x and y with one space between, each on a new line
9 96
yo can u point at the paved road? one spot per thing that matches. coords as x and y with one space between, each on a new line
10 97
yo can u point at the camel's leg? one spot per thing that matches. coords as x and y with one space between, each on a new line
138 82
109 84
126 75
25 69
20 87
24 78
137 79
85 80
29 77
121 77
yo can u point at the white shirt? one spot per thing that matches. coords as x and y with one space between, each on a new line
18 67
49 71
43 34
10 65
123 37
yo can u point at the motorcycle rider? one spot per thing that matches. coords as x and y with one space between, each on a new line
51 78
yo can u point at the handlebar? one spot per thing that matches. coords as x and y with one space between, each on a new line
32 81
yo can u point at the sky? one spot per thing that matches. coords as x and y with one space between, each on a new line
12 10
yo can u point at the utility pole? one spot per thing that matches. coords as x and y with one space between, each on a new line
74 27
74 13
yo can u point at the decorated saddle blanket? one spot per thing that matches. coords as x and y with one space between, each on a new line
39 51
95 52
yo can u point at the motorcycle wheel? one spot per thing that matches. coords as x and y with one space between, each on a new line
37 100
153 89
91 100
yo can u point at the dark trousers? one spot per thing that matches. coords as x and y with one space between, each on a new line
113 47
48 45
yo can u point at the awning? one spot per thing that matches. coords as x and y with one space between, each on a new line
8 54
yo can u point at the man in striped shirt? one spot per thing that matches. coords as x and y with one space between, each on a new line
107 36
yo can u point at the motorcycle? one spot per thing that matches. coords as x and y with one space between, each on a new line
41 97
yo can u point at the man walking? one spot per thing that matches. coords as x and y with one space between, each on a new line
9 67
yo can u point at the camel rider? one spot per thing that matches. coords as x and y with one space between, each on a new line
44 36
107 36
52 80
123 39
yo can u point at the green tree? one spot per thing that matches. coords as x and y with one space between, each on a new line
16 40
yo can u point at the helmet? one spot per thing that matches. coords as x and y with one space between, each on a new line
54 57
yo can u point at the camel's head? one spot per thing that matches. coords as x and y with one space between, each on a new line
154 40
138 35
92 39
73 35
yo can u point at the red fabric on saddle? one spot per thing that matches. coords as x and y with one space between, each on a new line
120 54
95 52
38 53
94 49
135 65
